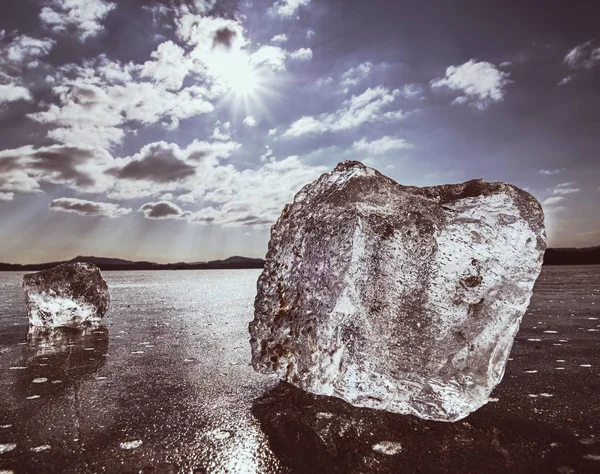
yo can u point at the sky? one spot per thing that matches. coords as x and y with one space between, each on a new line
176 130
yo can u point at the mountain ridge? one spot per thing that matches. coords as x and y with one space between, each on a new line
553 256
107 264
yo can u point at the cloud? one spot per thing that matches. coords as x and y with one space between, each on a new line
166 167
222 131
367 107
204 6
565 80
209 37
88 208
13 93
163 210
280 38
412 91
302 54
480 82
584 56
81 168
287 8
553 200
7 196
250 121
552 172
18 55
382 145
565 189
256 197
157 162
82 17
355 75
269 56
169 66
96 101
22 52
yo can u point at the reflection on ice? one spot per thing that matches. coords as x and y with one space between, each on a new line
310 433
56 357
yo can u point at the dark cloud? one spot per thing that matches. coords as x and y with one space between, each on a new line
157 163
163 210
79 167
224 37
88 208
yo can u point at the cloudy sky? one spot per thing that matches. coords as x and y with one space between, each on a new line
176 130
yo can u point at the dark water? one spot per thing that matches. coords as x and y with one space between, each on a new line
165 385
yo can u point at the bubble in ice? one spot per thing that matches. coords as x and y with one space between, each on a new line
133 444
41 448
40 380
220 434
387 447
7 447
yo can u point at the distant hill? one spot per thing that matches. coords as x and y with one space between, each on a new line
564 256
571 256
107 264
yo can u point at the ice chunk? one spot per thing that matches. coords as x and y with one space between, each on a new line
67 295
395 297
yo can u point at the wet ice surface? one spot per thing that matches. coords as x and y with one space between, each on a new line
164 385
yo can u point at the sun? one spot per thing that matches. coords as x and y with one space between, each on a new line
236 73
246 86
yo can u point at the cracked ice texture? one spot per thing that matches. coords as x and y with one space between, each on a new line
396 297
66 295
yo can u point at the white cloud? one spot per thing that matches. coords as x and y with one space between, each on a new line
169 66
280 38
17 55
367 107
222 132
270 56
204 6
83 17
7 196
88 208
481 83
412 91
565 189
565 80
584 56
302 54
323 82
104 96
355 75
23 52
552 172
13 93
287 8
552 200
256 197
382 145
250 121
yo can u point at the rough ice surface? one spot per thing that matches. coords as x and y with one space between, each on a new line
66 295
395 297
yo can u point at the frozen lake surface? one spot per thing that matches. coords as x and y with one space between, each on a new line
165 385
